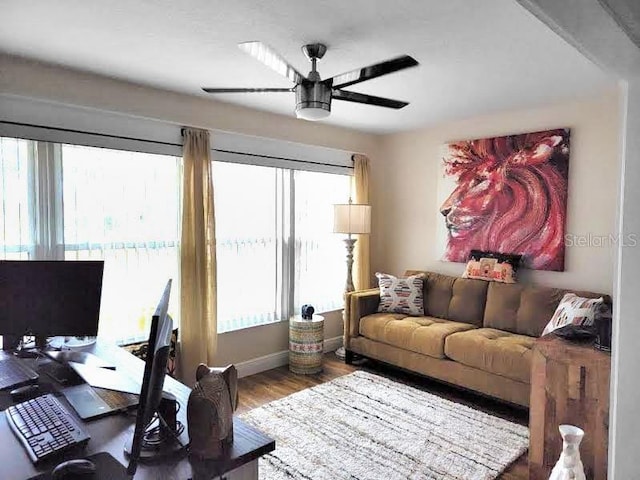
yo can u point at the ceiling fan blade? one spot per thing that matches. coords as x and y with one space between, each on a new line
368 99
271 59
246 90
372 71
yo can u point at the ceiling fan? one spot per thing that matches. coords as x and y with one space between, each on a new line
313 95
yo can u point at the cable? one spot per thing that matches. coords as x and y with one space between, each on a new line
153 437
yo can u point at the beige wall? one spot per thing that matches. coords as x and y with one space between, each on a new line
405 176
29 79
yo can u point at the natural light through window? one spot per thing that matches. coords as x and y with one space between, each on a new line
247 244
64 202
274 242
15 216
275 249
123 207
320 254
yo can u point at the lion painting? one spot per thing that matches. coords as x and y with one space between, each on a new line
509 196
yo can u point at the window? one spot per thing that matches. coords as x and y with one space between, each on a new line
320 255
275 249
79 203
15 216
247 244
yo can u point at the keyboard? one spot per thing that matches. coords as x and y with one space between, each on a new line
14 373
44 427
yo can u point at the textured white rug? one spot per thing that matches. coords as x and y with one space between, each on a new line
366 427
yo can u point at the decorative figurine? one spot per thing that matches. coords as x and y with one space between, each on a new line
569 465
307 312
210 409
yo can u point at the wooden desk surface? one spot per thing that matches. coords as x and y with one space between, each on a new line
108 434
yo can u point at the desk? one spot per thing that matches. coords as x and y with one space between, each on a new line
108 434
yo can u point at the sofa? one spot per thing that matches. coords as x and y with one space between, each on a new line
474 334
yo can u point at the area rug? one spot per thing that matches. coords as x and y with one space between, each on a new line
366 427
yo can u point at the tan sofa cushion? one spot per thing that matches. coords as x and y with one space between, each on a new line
495 351
524 309
424 335
453 298
467 301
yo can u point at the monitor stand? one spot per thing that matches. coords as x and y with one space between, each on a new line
18 345
63 343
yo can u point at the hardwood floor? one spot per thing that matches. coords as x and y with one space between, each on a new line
273 384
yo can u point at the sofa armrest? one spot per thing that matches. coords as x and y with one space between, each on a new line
357 305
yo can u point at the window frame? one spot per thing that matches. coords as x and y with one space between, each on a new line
42 120
285 226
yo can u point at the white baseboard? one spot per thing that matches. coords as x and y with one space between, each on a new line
332 344
278 359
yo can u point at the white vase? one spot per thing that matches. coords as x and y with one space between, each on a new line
569 465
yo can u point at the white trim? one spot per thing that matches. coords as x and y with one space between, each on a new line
332 344
39 113
278 359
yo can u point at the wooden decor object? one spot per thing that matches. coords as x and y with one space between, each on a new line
569 385
210 409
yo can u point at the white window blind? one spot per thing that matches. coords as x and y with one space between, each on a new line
123 208
320 255
275 249
16 217
66 202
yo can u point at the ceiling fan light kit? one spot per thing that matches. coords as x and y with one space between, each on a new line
313 100
313 95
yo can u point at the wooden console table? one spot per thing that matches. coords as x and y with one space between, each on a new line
569 384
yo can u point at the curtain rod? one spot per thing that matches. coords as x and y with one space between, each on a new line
121 137
258 155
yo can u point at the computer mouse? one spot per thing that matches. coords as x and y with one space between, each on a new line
80 468
24 391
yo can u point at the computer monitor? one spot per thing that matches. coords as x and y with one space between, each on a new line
50 298
152 383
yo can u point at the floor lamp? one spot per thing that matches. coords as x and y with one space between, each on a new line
352 219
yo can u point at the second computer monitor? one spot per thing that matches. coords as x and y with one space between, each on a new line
50 298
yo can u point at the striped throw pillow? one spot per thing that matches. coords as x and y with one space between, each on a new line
401 295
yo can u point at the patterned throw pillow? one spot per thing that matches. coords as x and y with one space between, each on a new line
401 295
573 310
492 266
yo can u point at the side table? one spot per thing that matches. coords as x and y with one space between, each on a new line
306 344
569 384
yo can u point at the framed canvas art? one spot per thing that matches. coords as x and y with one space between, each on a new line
508 195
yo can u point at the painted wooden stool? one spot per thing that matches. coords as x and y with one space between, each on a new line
306 342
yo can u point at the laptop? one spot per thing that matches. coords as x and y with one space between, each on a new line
105 392
91 402
14 373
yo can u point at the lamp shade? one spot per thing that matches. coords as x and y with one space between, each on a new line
351 218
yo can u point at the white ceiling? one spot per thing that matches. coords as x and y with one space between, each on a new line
476 57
